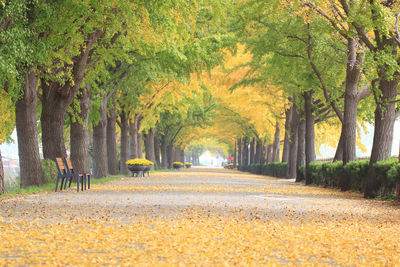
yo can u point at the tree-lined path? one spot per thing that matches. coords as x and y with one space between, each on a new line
199 217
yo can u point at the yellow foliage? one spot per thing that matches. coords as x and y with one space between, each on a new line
7 116
284 226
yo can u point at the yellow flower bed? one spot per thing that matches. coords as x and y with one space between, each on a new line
188 164
177 163
139 162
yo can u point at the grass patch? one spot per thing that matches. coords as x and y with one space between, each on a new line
51 186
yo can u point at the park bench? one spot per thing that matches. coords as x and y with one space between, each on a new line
66 171
85 177
63 173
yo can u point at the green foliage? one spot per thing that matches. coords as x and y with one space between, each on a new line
385 178
357 172
49 170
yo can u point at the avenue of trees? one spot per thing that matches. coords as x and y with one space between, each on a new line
266 81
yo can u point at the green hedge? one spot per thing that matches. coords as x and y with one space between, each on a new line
333 174
276 169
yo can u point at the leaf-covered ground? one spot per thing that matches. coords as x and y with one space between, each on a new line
199 217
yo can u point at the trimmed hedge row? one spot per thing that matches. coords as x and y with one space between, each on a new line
276 169
334 174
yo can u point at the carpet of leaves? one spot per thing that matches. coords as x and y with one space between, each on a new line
338 229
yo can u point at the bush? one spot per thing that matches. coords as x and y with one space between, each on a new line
316 174
357 172
256 168
49 170
333 173
381 171
276 169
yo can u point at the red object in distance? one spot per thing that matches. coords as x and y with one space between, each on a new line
230 158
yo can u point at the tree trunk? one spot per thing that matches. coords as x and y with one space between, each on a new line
259 153
239 151
181 155
235 156
150 146
124 126
1 175
276 144
80 135
339 148
56 98
112 142
383 133
140 144
252 151
301 149
285 152
245 151
157 148
310 134
349 126
31 172
293 144
100 164
164 156
133 137
52 120
170 154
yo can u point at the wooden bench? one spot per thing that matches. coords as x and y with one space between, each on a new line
66 171
63 174
85 177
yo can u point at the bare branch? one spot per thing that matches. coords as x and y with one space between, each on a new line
363 93
397 37
363 36
289 55
331 21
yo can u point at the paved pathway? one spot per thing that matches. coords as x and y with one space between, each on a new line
199 217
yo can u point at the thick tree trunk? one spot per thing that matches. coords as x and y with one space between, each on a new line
383 133
56 98
157 148
27 133
52 120
235 156
124 126
164 156
1 175
276 144
349 126
245 151
339 148
112 142
301 149
310 134
239 151
100 165
269 153
259 153
170 154
150 146
133 138
140 145
285 152
182 155
80 134
252 151
291 171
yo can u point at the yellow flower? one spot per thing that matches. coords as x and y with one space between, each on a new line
188 164
177 163
139 162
